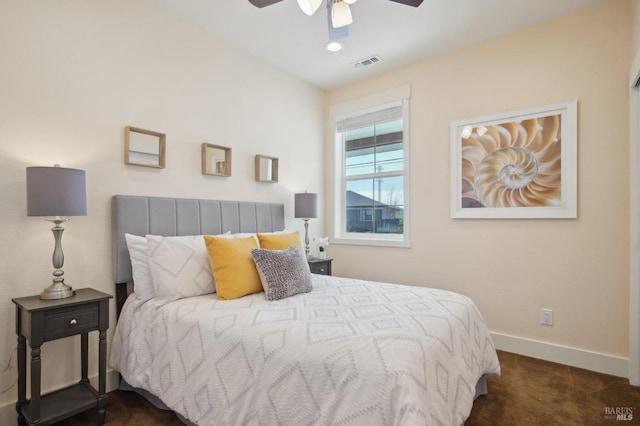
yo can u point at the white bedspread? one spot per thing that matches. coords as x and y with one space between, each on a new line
349 353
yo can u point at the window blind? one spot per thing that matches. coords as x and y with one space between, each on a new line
369 119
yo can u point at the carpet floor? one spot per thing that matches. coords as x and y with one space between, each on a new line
534 392
529 392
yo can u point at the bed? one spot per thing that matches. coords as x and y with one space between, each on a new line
349 352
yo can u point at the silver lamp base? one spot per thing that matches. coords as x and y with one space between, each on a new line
307 250
57 291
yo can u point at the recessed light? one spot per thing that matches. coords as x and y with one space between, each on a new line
334 46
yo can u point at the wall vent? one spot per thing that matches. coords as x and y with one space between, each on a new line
371 60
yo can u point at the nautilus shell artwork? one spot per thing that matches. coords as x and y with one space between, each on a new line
514 164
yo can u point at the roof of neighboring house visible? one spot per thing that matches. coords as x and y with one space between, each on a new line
356 200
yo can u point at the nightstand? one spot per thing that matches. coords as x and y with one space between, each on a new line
40 321
320 266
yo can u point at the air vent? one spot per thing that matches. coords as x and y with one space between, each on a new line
371 60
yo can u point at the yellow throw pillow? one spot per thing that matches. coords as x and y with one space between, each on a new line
234 271
279 241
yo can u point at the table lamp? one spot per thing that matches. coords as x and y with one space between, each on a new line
306 207
56 191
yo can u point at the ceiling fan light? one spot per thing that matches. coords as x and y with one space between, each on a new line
349 1
309 6
334 46
341 14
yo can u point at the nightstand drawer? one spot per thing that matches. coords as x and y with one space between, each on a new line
320 266
71 321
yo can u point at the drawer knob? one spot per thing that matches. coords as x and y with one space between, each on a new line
73 322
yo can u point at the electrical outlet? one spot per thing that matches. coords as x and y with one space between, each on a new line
546 316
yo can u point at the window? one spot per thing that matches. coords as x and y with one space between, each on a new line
371 170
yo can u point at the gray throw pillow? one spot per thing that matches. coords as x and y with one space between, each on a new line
283 273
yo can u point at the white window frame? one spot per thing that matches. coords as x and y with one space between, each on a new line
376 102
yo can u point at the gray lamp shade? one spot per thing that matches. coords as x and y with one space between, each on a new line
306 206
56 191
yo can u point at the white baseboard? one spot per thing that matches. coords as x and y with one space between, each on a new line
594 361
8 414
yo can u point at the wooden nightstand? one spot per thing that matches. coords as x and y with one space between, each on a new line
41 321
320 266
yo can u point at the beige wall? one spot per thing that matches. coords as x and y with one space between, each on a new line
512 268
635 27
74 73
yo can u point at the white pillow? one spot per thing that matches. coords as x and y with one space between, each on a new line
142 285
179 267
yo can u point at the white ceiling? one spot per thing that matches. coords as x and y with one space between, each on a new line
283 36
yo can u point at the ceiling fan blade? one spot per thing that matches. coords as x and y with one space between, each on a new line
336 33
414 3
263 3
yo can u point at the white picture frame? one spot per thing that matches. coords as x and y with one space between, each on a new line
516 165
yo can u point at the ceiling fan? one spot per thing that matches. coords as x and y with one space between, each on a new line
340 12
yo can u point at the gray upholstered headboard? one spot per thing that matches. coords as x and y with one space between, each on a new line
181 216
